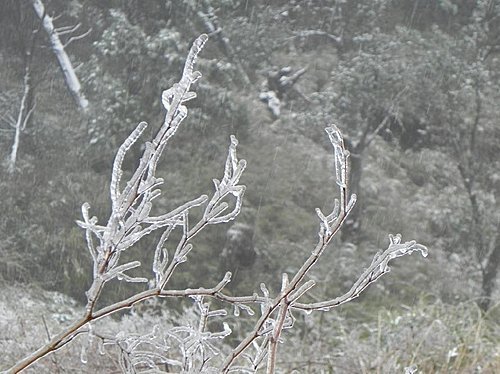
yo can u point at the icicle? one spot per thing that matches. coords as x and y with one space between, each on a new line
100 347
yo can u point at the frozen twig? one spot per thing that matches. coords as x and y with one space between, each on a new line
292 290
130 220
378 267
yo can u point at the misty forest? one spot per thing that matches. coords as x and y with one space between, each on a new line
250 186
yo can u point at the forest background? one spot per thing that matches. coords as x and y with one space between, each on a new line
412 84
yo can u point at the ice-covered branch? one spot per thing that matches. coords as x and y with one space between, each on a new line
228 185
276 311
378 267
25 108
131 219
174 97
22 117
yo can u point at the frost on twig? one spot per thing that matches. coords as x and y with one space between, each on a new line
131 205
342 207
190 347
378 267
228 185
131 218
259 348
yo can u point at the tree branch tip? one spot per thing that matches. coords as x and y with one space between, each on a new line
424 251
395 239
202 39
332 128
227 277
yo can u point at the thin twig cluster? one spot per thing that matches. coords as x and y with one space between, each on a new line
131 219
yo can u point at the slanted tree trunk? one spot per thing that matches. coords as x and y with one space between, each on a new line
212 27
67 69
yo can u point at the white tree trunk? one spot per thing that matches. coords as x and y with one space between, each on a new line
64 62
21 121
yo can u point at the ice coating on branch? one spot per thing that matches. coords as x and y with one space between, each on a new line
130 219
161 259
117 164
340 155
179 93
341 207
227 186
191 58
378 267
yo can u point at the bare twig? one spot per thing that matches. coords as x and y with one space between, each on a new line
75 38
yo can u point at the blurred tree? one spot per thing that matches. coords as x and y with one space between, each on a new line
59 50
430 88
27 102
471 126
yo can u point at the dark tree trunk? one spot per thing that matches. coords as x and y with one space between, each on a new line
490 273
